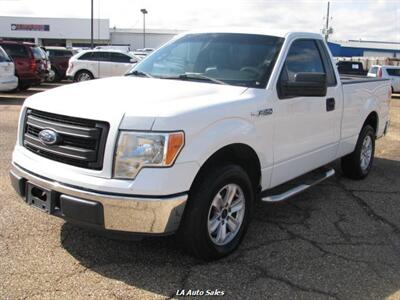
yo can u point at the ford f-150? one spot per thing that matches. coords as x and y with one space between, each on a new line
195 133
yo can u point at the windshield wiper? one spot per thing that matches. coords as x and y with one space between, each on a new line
196 76
139 73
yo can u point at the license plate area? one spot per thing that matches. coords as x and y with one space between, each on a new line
39 197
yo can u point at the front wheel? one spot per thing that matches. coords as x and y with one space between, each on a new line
357 164
217 213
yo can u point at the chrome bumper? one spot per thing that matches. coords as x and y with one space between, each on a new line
148 215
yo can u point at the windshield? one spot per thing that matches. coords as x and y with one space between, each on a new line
236 59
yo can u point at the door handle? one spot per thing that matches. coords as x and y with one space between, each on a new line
330 104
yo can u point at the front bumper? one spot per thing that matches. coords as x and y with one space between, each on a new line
109 211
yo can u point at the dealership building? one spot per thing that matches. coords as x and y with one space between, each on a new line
72 32
54 31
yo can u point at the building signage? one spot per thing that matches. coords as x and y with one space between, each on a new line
30 27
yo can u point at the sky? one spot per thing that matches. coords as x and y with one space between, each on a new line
358 19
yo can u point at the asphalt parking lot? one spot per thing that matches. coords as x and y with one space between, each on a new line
339 240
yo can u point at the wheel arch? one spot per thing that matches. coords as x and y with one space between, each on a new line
237 153
372 120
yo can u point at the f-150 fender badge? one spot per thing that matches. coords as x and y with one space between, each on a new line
263 112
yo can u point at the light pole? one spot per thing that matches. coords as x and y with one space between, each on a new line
144 12
91 26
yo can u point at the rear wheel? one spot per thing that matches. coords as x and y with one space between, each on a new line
217 213
357 164
83 76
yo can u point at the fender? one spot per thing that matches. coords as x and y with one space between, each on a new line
369 106
203 144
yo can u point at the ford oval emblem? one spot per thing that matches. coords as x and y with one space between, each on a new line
48 137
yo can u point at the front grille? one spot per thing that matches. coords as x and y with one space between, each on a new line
81 141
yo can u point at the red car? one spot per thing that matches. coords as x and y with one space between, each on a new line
29 60
59 58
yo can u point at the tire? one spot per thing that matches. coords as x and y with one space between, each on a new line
55 78
201 214
357 164
83 76
23 87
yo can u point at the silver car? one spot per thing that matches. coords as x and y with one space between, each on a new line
389 72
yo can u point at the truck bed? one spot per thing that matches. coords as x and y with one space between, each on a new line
351 79
360 95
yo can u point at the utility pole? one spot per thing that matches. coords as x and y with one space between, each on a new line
327 30
91 26
144 12
327 22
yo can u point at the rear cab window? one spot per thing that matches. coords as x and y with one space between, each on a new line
349 66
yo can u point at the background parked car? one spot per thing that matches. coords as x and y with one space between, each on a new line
59 58
47 64
351 68
139 54
30 65
390 72
92 64
8 80
147 50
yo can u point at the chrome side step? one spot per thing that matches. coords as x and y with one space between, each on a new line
297 189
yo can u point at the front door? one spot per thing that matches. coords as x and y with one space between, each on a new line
307 129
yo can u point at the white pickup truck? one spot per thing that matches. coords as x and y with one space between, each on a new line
194 134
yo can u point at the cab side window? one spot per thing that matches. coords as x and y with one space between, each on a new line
304 71
303 57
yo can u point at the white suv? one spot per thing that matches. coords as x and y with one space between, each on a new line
389 72
90 64
8 80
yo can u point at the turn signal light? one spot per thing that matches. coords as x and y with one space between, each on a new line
175 144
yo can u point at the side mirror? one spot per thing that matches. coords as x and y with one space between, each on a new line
133 60
304 84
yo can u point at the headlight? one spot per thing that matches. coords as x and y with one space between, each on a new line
136 150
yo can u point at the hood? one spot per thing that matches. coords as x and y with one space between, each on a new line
139 99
